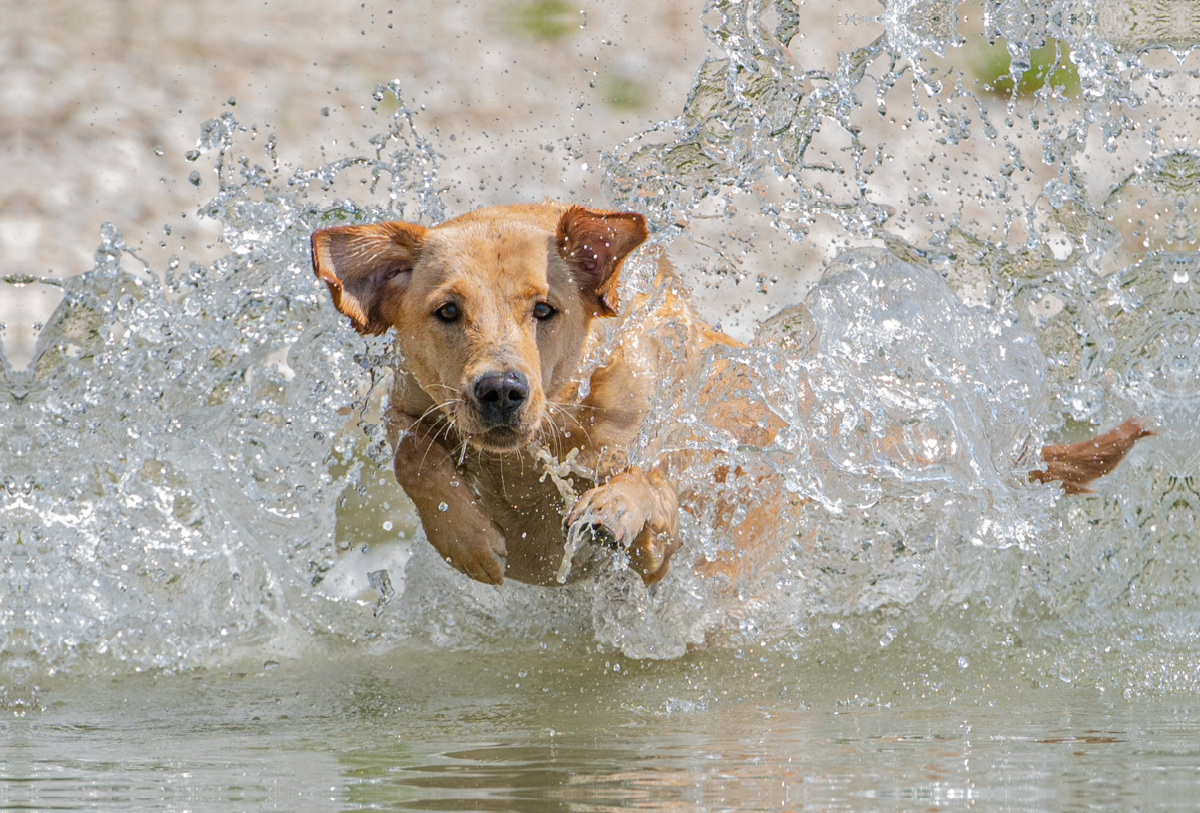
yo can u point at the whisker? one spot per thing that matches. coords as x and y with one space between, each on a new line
556 434
438 407
569 409
429 445
569 412
443 426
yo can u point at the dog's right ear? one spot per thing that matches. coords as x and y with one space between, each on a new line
367 268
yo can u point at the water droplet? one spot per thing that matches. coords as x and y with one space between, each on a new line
192 155
963 663
387 526
158 150
194 178
381 581
443 507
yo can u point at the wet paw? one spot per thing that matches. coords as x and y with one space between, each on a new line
486 567
476 549
612 518
606 516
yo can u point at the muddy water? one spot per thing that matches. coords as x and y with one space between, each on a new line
214 598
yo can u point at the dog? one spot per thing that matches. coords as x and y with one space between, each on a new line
511 400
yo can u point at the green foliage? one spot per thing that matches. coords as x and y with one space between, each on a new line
543 19
1050 65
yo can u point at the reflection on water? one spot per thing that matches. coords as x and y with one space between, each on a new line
434 731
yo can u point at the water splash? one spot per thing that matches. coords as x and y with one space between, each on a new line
900 422
167 452
1026 267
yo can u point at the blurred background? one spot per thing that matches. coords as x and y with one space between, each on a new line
104 98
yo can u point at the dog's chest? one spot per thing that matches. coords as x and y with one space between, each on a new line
529 507
514 492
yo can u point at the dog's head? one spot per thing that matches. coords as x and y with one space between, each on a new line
491 309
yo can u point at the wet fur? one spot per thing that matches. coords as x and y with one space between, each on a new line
481 491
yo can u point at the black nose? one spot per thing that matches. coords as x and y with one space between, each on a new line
500 396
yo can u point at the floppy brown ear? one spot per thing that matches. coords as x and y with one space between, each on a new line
367 269
595 244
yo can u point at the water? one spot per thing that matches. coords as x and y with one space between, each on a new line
198 537
441 731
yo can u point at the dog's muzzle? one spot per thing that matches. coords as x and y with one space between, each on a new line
499 397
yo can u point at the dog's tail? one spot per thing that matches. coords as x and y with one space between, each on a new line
1077 464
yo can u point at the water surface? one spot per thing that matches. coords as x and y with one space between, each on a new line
431 730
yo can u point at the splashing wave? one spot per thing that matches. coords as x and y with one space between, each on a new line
175 456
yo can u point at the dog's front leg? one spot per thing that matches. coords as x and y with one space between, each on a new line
453 520
640 511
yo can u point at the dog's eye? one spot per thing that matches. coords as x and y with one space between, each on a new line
543 311
447 312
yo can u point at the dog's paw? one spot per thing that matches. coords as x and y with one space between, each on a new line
483 564
615 519
476 549
610 513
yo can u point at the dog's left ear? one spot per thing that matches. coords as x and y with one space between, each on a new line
595 244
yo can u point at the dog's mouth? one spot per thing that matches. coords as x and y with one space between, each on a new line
493 437
500 439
